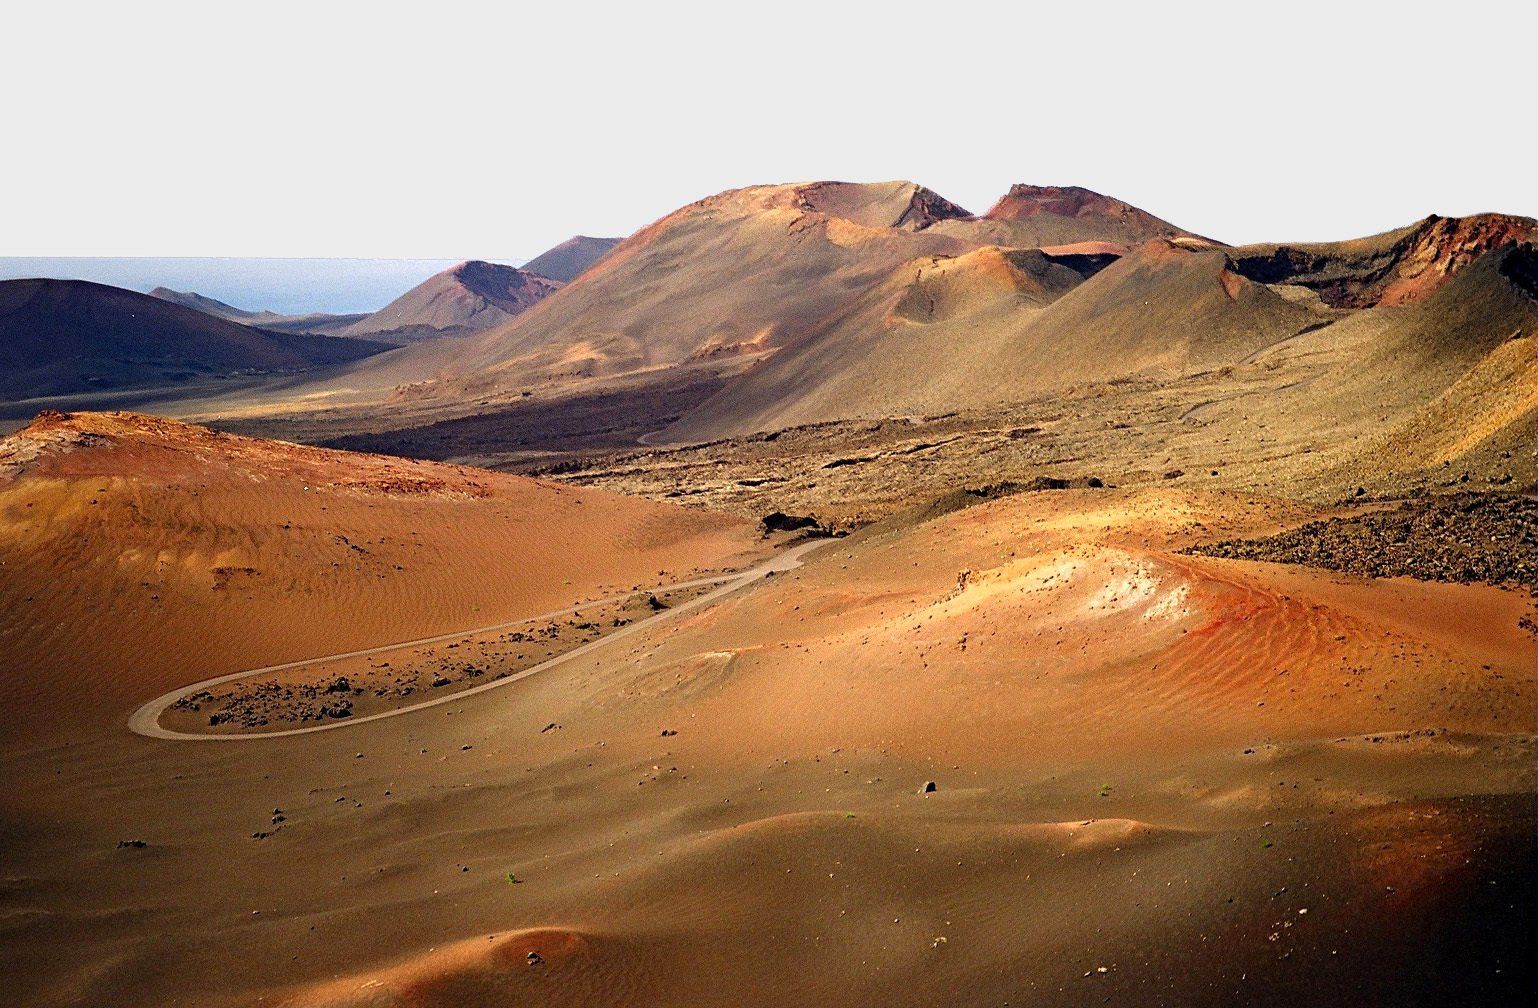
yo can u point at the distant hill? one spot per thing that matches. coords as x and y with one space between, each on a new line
59 337
468 298
571 258
1031 216
808 303
209 306
732 276
318 322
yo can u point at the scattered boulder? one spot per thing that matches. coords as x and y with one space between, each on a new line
1063 483
779 521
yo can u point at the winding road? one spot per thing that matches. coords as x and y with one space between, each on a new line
146 720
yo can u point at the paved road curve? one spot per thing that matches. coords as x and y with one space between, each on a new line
146 720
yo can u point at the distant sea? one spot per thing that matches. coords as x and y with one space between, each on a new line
286 286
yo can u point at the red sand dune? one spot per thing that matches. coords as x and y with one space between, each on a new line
1136 754
143 554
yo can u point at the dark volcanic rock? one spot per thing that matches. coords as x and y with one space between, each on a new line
779 521
1490 538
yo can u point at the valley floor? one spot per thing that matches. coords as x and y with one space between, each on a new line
1024 752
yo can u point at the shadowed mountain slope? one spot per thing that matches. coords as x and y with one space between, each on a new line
65 336
570 259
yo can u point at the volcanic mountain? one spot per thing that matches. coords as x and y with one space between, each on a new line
1030 216
970 330
777 306
1445 381
1169 307
570 259
320 323
59 337
468 298
1397 267
725 282
728 278
211 306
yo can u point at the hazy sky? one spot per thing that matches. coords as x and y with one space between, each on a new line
455 131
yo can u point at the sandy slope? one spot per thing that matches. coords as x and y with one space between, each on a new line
630 611
1160 779
1439 384
142 554
923 346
